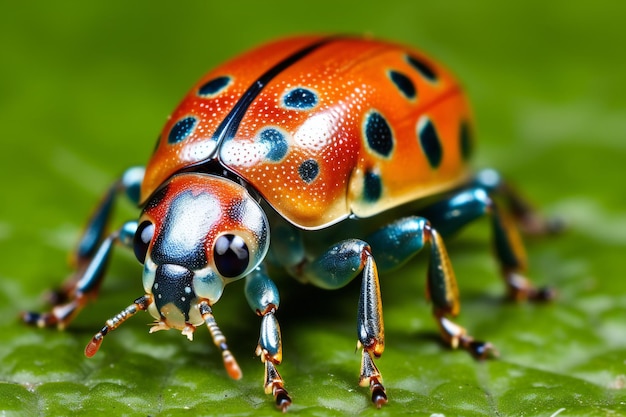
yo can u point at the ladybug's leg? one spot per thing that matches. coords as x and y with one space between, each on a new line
529 220
396 243
91 255
333 269
95 230
87 282
467 205
263 298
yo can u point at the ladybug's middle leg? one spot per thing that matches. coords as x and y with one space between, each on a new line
335 268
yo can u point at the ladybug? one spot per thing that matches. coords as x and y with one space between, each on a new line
351 153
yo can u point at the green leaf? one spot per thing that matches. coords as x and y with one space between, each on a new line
84 91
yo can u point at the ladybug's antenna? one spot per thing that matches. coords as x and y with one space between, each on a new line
230 363
113 323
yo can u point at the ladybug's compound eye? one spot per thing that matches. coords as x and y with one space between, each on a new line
231 255
143 236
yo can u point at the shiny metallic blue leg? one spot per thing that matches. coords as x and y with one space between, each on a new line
467 205
396 243
91 256
263 298
526 216
339 265
86 282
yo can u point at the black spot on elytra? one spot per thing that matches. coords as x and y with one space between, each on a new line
372 187
214 86
181 130
430 142
465 137
300 99
378 134
403 83
309 170
423 68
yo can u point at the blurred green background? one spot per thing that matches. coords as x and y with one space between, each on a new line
85 89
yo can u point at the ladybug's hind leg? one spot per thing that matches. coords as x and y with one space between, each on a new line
91 256
530 221
479 199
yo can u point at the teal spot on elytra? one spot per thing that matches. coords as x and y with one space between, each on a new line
181 130
276 142
214 86
300 99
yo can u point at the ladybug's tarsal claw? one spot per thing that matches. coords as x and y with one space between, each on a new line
540 295
480 350
545 294
521 289
274 385
379 396
456 337
60 315
263 298
283 400
34 319
536 225
370 375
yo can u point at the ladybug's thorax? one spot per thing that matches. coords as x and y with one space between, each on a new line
206 231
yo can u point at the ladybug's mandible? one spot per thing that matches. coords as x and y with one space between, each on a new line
330 145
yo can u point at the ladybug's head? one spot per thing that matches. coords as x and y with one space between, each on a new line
196 234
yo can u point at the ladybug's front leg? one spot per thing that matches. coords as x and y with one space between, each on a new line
91 256
263 298
335 268
88 281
